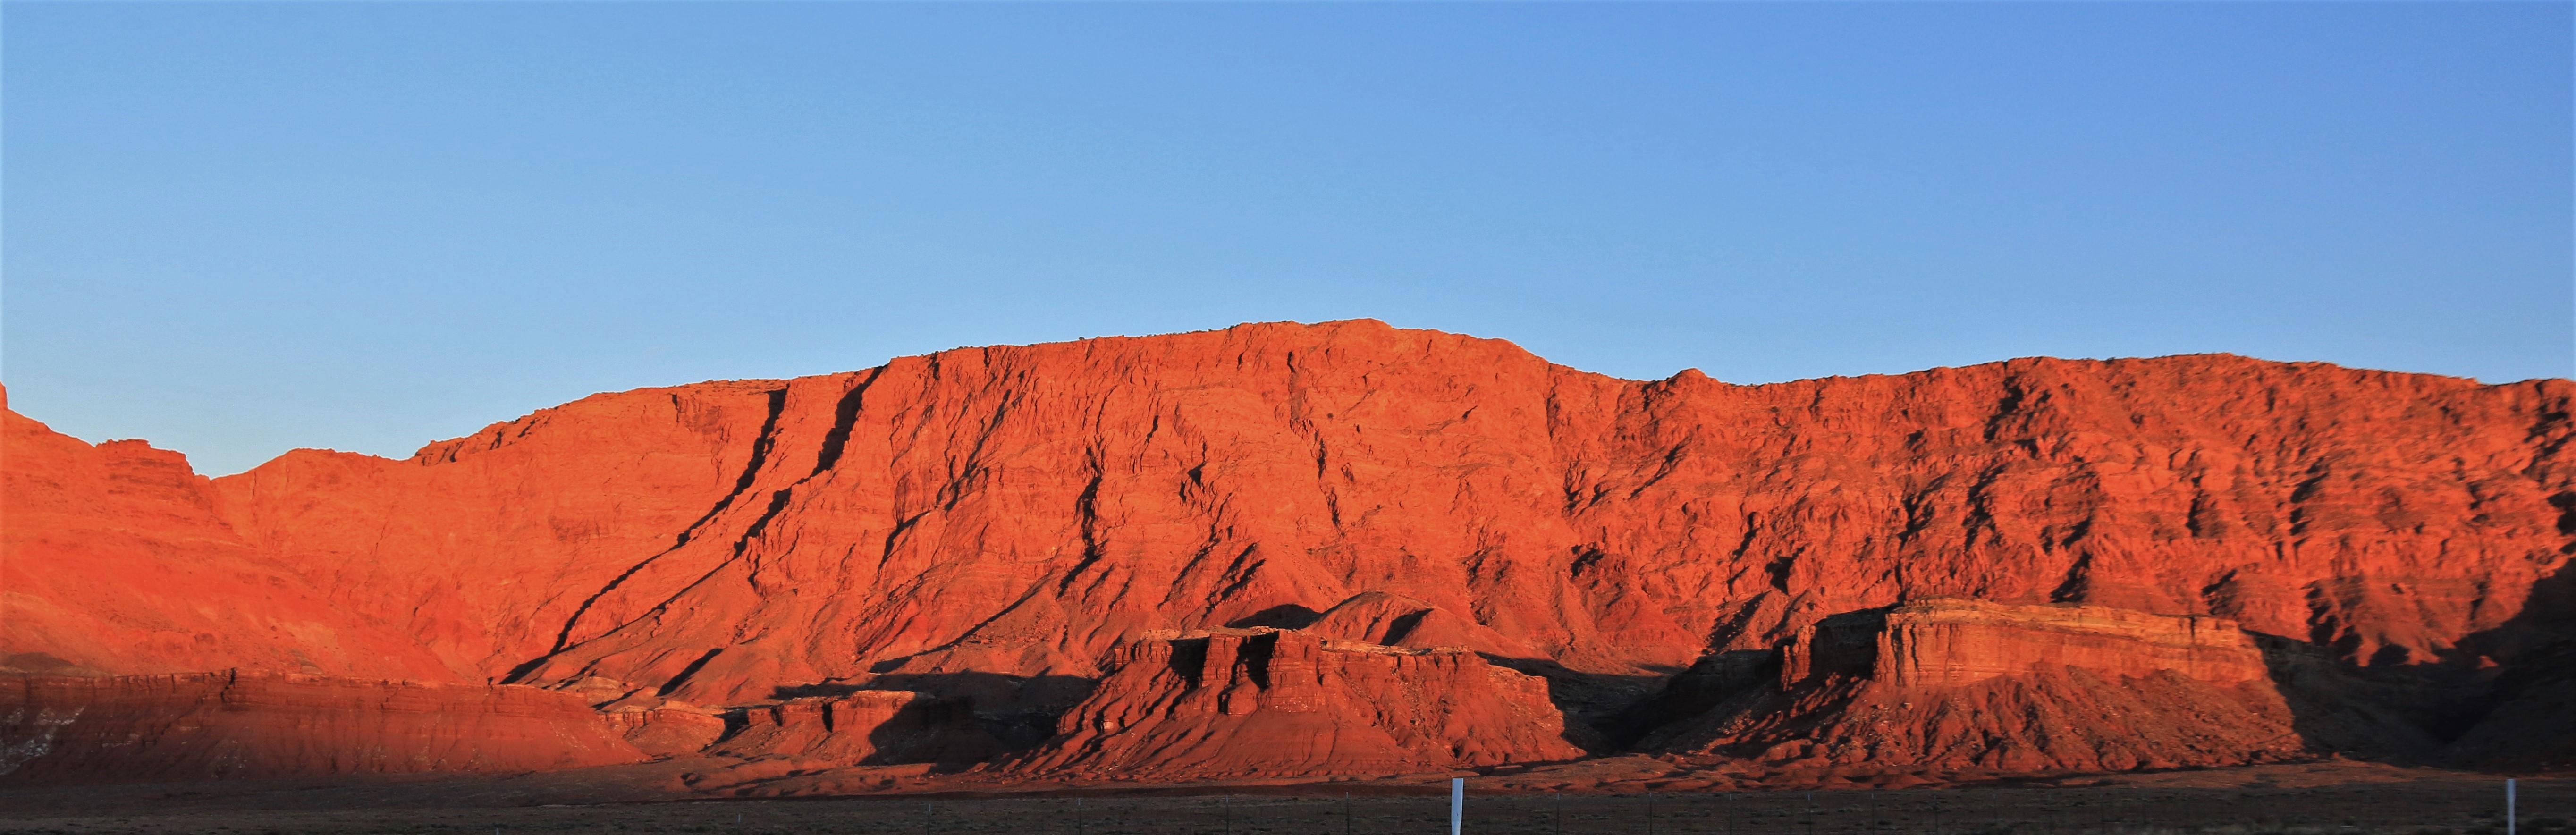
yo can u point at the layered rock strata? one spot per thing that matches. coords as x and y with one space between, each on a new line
1953 643
1007 518
1965 684
229 725
1268 702
667 731
1021 510
867 727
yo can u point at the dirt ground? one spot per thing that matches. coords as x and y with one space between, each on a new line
2315 799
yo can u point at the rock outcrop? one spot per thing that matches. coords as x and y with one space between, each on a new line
229 725
668 731
1270 702
866 727
1952 643
1964 684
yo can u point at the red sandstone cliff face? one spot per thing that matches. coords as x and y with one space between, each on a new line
1267 702
115 559
1953 643
215 726
998 520
2006 688
1021 510
486 547
668 731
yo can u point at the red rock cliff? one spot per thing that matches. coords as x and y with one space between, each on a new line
115 559
1013 514
1020 510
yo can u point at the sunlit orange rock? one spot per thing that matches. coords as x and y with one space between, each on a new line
1017 514
1399 621
483 548
668 731
1268 702
1021 510
1952 643
116 559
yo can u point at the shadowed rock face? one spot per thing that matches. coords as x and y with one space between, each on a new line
215 726
1018 514
1269 702
868 727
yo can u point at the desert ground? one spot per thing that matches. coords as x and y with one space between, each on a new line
2333 798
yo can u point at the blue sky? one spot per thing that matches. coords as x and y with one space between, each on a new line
239 229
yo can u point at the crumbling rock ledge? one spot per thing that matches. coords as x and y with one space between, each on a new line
1973 684
1952 643
1273 702
867 727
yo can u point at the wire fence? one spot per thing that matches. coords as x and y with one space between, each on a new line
2400 811
2450 807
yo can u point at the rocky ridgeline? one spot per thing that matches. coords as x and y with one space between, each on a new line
2029 565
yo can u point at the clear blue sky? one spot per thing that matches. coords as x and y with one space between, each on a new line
238 229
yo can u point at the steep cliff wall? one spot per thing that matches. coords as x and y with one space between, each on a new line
1020 510
1005 518
218 726
1266 702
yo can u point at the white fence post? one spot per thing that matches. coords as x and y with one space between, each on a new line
1459 805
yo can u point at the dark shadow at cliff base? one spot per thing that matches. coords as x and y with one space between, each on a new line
1694 693
2391 713
2532 723
1593 704
945 732
1016 712
1019 711
2499 699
